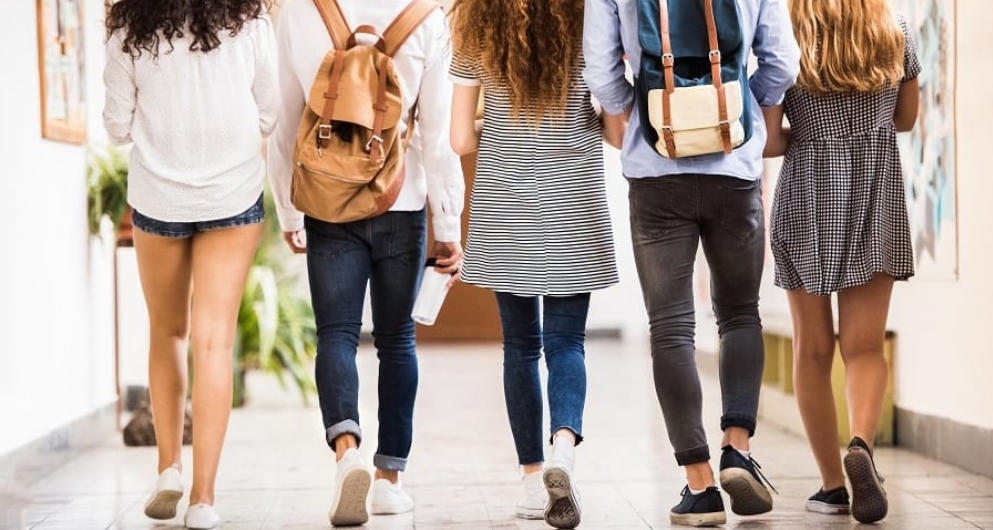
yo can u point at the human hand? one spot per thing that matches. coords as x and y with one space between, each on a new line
448 259
297 241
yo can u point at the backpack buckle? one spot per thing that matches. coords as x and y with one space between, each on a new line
715 56
668 60
368 145
324 132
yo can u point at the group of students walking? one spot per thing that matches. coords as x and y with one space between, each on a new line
197 86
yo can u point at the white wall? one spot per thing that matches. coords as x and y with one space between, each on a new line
56 353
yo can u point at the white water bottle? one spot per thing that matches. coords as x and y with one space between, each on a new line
430 296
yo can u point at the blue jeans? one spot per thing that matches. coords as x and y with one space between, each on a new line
670 216
387 254
562 336
184 230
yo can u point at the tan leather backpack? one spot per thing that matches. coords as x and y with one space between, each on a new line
348 158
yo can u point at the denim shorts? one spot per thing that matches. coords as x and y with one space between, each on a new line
254 214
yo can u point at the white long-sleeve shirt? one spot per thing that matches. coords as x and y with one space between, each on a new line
433 169
197 121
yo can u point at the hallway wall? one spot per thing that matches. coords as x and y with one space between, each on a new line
56 356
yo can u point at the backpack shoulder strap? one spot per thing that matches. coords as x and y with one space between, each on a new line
334 20
406 22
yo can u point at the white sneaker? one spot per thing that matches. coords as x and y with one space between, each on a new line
201 517
389 498
168 490
532 505
348 507
563 500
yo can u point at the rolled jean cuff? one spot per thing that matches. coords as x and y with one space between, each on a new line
344 427
738 420
693 456
579 437
389 463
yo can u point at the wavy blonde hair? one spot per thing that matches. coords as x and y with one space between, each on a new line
847 45
530 44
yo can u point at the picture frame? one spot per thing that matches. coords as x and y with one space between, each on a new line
61 66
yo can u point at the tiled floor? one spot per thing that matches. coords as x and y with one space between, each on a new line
277 473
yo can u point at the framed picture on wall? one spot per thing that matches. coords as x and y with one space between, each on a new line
61 66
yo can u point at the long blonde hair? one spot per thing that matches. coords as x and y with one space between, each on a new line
847 45
531 44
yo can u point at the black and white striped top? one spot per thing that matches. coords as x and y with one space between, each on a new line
538 219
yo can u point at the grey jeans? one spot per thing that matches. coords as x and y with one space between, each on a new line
669 217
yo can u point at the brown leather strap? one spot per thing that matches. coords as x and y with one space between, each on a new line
330 97
334 21
670 83
715 73
406 22
376 143
368 30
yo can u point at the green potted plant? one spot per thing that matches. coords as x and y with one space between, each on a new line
276 331
107 191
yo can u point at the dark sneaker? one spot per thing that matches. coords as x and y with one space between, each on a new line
744 483
868 497
831 502
703 509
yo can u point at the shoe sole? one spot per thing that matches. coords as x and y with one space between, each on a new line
748 496
868 498
163 505
391 509
698 519
830 509
350 499
563 508
529 514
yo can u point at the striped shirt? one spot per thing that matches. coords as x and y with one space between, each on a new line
538 219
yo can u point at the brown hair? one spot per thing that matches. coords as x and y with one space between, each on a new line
532 45
847 45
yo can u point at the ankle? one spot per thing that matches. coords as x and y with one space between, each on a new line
533 468
343 443
565 435
391 475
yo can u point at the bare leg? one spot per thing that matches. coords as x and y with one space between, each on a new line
221 261
862 313
813 353
164 265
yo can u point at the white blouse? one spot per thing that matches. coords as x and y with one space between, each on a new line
197 121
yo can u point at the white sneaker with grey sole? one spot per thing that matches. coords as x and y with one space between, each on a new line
389 498
349 505
532 504
161 504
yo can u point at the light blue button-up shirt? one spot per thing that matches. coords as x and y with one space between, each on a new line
611 31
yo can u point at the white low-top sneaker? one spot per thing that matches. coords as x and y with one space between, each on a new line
389 498
201 517
532 504
349 505
161 504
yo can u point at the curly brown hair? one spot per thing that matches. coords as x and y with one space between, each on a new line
532 45
147 21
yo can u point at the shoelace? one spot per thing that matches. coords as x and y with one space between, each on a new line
757 468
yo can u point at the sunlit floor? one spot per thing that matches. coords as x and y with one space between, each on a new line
277 472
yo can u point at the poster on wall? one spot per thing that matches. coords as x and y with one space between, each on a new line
61 64
928 152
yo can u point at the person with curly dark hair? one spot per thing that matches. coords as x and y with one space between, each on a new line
539 229
192 84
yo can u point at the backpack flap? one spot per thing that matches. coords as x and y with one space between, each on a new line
695 118
361 83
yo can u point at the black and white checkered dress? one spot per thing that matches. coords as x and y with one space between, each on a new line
839 214
538 217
